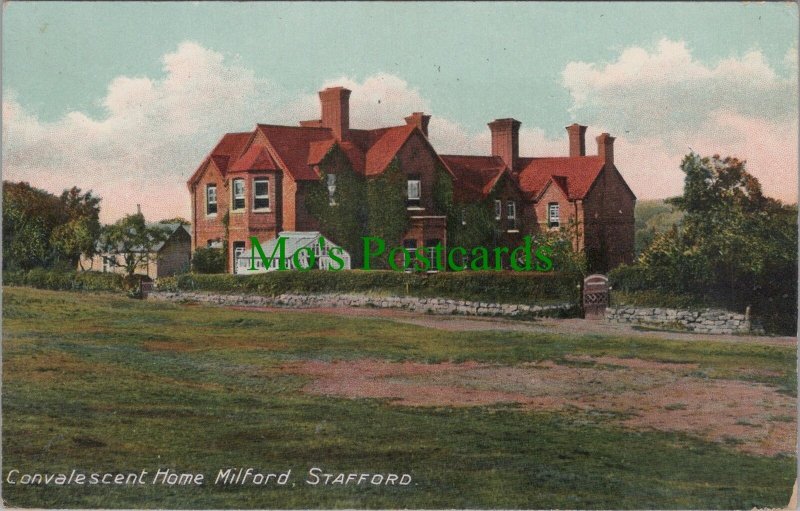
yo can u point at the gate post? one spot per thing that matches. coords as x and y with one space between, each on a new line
595 296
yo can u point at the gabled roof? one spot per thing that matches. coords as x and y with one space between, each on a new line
574 175
380 155
476 175
229 146
255 158
297 149
292 146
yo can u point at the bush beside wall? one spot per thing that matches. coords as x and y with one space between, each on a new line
65 280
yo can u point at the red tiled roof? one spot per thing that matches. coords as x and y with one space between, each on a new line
292 146
476 175
318 150
385 148
229 146
574 175
297 149
255 158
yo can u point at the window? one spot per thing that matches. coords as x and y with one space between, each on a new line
238 194
331 189
106 264
260 194
238 253
211 199
413 191
511 214
552 214
463 216
498 210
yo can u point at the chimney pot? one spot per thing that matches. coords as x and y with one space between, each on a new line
420 120
335 103
577 139
505 141
605 148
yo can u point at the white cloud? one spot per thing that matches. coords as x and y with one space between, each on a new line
154 134
155 131
662 102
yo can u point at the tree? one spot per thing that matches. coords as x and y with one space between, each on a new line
79 235
42 230
175 220
735 246
131 242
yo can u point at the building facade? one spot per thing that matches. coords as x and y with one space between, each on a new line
258 183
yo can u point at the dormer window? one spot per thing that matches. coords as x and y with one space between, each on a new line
331 178
238 195
413 191
211 199
553 219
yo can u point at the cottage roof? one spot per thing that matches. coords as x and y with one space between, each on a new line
574 175
476 175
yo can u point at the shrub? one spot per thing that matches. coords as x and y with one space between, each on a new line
42 278
628 278
489 286
208 260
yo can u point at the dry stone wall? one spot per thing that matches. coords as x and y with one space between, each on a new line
707 321
427 305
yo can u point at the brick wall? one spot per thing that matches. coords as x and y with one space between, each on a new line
609 223
208 227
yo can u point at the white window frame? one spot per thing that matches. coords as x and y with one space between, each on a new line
256 182
553 220
331 182
411 184
511 215
209 187
511 210
498 209
106 264
234 195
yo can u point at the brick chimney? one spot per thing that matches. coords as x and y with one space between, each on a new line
577 139
505 140
420 120
605 148
335 102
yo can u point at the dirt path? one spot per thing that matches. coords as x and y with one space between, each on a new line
543 325
633 393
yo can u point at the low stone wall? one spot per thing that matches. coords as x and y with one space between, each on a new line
707 321
427 305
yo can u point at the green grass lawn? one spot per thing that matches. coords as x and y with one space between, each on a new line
98 382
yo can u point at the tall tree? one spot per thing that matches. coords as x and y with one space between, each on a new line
734 244
130 242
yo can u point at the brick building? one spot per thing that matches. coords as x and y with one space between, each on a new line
258 182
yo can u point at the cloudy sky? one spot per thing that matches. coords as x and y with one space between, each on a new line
126 99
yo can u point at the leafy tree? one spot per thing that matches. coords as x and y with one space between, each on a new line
735 245
131 242
79 235
175 220
42 230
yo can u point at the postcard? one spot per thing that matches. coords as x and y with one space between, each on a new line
399 255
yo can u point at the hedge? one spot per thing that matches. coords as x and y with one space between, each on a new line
488 286
65 280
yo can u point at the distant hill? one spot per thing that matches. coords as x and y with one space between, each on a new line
653 217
